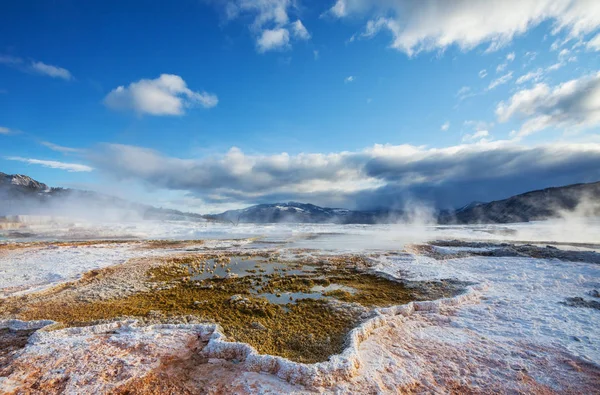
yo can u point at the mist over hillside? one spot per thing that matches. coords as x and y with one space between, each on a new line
22 195
582 199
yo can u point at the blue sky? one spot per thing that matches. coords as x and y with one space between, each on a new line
350 102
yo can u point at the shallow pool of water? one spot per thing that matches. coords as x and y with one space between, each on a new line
240 267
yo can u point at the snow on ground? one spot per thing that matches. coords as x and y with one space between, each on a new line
32 268
523 299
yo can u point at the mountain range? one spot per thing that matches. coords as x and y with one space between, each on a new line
20 194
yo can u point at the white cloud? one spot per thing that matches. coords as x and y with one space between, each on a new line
482 73
533 76
165 95
445 126
500 80
502 66
271 22
529 57
276 39
60 148
70 167
572 105
377 175
300 31
349 79
36 67
316 54
464 92
51 71
4 130
418 26
594 43
478 135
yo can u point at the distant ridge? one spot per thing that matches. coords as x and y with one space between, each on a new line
530 206
20 194
294 212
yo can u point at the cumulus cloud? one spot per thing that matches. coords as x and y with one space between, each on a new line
377 176
165 95
70 167
275 39
573 105
500 80
271 24
36 67
418 26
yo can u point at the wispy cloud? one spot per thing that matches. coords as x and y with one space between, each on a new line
70 167
500 81
36 67
300 31
349 79
534 76
51 71
479 135
60 148
165 95
464 93
594 43
445 126
4 130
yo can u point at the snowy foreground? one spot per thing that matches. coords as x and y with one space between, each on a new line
512 330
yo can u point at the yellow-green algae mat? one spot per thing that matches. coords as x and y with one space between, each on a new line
309 328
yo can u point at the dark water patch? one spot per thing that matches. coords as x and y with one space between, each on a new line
581 302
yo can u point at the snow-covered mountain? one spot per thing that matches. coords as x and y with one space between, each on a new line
295 212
